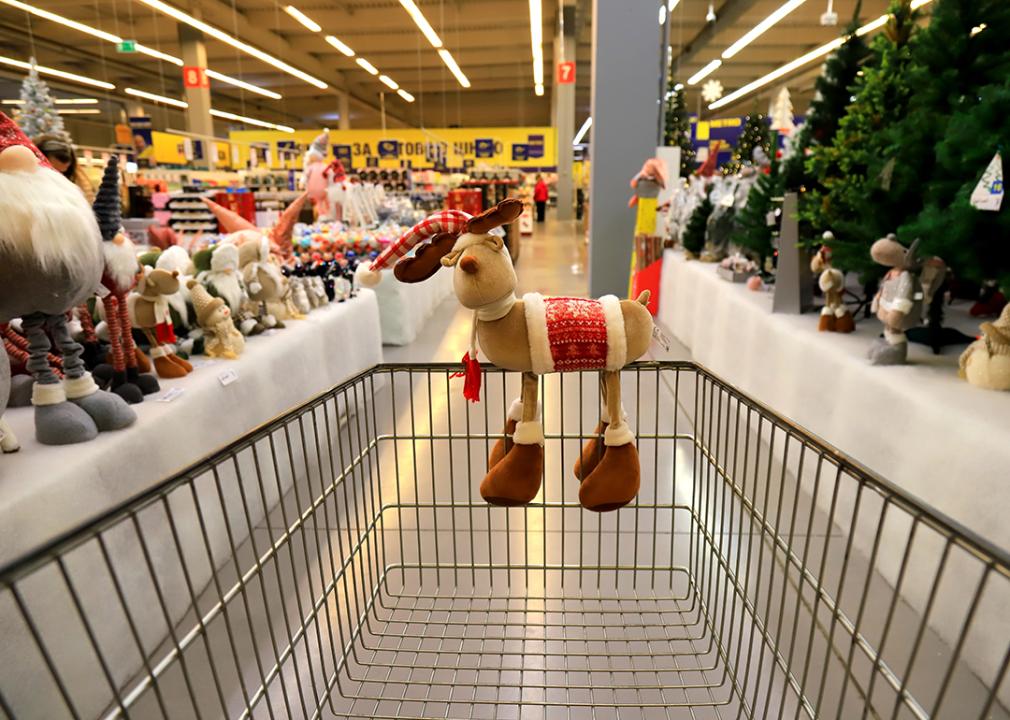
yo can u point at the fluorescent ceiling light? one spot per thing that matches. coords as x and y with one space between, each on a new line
67 22
760 29
158 54
339 45
405 95
388 82
234 42
538 90
59 101
537 41
242 84
43 70
583 130
156 98
450 62
303 18
422 23
367 66
79 111
671 5
678 87
704 72
662 14
799 62
250 121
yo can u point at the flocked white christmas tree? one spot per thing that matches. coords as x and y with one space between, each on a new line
781 113
38 114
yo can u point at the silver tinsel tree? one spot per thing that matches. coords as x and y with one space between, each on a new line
38 114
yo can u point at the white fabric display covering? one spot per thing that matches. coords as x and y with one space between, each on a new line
47 490
405 307
918 426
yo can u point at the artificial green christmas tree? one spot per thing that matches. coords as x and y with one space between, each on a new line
755 135
754 231
38 114
846 196
677 127
693 238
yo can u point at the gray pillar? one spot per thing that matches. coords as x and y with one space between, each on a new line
344 110
563 106
626 57
198 118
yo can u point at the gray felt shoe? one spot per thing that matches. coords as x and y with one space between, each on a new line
109 411
21 391
884 353
63 424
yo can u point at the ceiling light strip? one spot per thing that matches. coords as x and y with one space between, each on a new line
78 111
537 41
450 62
53 72
704 72
242 84
388 82
159 55
583 130
58 101
66 22
339 45
366 66
422 23
806 59
405 95
250 121
156 98
761 28
224 37
303 18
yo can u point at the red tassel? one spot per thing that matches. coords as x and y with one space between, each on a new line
471 374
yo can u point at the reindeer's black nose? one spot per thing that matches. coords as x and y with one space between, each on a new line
469 265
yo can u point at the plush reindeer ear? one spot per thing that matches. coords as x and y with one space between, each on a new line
426 260
505 212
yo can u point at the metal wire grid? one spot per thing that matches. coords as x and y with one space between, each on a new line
338 562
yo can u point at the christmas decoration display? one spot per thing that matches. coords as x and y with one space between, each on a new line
755 135
693 238
263 281
150 308
708 167
781 113
677 126
221 338
533 335
51 261
711 91
835 316
898 303
986 362
757 222
737 268
38 114
314 177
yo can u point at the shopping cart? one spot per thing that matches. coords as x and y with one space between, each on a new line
339 562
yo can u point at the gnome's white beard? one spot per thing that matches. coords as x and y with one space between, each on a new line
121 263
46 217
227 286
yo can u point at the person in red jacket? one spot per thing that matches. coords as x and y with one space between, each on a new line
540 197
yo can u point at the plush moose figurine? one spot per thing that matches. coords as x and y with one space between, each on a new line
835 316
533 335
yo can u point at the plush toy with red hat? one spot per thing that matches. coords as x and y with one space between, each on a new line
51 260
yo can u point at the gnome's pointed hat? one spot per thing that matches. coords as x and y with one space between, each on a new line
108 204
229 220
11 134
320 143
281 233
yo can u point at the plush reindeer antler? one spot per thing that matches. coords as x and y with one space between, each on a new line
505 212
426 260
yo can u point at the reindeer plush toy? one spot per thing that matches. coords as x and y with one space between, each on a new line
533 335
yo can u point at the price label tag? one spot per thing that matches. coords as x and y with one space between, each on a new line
227 377
660 337
171 394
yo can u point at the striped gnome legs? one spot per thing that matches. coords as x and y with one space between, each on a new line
608 467
516 462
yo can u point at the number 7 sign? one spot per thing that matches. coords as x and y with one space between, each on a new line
566 73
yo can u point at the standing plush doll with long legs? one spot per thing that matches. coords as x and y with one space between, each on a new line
50 261
533 335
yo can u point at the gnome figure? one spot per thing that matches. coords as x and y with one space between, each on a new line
898 302
986 362
221 339
120 276
314 176
51 260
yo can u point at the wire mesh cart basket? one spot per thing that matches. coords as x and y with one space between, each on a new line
338 562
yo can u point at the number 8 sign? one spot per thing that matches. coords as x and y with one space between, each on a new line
566 73
194 77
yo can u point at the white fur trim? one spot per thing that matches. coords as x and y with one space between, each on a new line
515 410
536 329
160 351
368 277
841 311
605 414
618 434
80 387
617 343
826 310
530 432
8 440
48 394
895 338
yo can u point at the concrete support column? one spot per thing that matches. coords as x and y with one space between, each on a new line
626 58
563 108
198 118
344 110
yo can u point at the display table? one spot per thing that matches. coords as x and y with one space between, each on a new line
46 490
405 307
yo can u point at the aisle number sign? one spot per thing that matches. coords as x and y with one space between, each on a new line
195 77
566 73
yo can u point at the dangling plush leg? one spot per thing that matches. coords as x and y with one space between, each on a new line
8 440
92 345
615 480
57 422
515 479
119 383
138 376
109 411
592 451
163 365
504 444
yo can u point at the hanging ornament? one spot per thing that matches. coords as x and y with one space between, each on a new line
710 16
988 194
711 91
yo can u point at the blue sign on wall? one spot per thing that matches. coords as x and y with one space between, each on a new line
343 154
535 144
484 147
389 148
520 152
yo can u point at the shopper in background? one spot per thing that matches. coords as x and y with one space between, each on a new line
540 197
60 154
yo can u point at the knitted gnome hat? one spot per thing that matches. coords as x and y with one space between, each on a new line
11 134
108 204
203 302
319 145
452 222
229 220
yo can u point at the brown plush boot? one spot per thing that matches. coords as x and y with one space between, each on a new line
180 362
615 481
143 364
592 453
827 323
168 369
845 324
502 445
515 479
